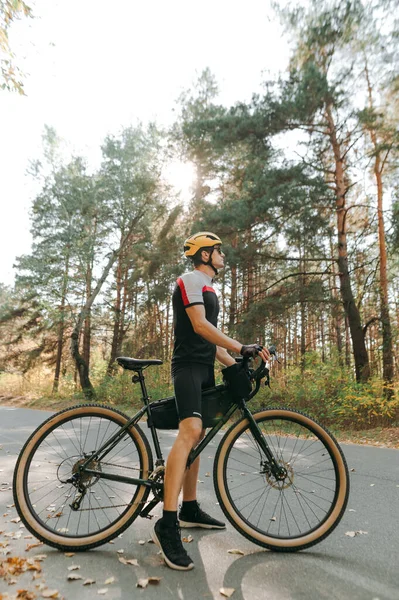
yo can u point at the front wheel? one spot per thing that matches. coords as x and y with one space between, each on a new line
47 502
305 503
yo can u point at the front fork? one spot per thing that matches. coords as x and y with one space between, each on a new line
278 471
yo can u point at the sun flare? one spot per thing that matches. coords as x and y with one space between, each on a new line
181 175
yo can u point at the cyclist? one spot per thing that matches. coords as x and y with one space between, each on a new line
197 343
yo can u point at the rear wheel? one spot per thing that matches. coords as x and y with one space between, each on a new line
54 452
303 505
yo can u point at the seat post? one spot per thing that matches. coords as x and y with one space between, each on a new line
139 377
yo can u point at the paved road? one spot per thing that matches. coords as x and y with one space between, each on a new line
365 567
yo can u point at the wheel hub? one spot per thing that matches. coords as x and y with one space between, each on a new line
283 479
85 479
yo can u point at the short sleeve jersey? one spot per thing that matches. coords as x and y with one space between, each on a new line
193 288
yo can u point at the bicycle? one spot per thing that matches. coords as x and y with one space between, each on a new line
86 473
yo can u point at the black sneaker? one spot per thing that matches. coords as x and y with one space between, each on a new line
199 518
169 541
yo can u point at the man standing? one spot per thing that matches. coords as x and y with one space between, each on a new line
197 343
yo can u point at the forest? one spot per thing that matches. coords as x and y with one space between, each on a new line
300 183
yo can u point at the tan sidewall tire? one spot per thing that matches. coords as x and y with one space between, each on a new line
241 525
92 540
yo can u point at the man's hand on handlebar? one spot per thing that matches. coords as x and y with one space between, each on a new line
253 350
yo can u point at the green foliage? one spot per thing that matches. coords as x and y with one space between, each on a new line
327 392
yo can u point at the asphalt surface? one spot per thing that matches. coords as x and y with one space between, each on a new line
364 567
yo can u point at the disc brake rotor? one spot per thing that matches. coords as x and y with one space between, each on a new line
284 482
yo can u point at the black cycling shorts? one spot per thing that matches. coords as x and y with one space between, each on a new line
189 380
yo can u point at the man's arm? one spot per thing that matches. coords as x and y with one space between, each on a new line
210 333
224 357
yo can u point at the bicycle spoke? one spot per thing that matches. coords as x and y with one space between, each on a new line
62 450
297 501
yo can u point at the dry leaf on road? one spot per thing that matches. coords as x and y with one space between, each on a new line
25 595
235 551
30 546
109 580
74 577
188 539
354 533
89 581
142 583
227 592
50 593
128 561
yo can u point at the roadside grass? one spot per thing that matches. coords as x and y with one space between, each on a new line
325 391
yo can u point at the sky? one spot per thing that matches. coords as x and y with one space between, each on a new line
94 66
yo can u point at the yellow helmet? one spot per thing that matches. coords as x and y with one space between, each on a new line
203 239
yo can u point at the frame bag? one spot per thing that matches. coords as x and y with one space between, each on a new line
215 403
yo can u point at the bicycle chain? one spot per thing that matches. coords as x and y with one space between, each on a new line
115 505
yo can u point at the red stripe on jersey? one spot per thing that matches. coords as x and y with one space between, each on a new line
180 283
208 289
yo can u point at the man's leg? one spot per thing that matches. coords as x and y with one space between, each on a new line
166 532
188 436
190 480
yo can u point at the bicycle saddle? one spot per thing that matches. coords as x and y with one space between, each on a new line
136 363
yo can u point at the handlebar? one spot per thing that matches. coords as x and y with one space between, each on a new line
260 372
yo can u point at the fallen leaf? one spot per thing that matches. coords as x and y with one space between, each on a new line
74 568
227 592
120 551
40 557
109 580
351 510
354 533
50 593
141 542
16 520
207 474
102 591
142 583
128 561
188 539
74 577
236 551
25 595
69 554
30 546
372 484
89 581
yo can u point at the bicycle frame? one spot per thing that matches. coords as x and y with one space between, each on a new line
99 454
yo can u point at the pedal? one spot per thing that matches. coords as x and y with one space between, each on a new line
145 513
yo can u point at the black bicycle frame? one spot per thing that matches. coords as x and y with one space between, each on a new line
99 454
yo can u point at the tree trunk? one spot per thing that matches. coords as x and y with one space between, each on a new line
233 296
362 368
81 365
117 314
61 325
303 313
387 350
87 323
